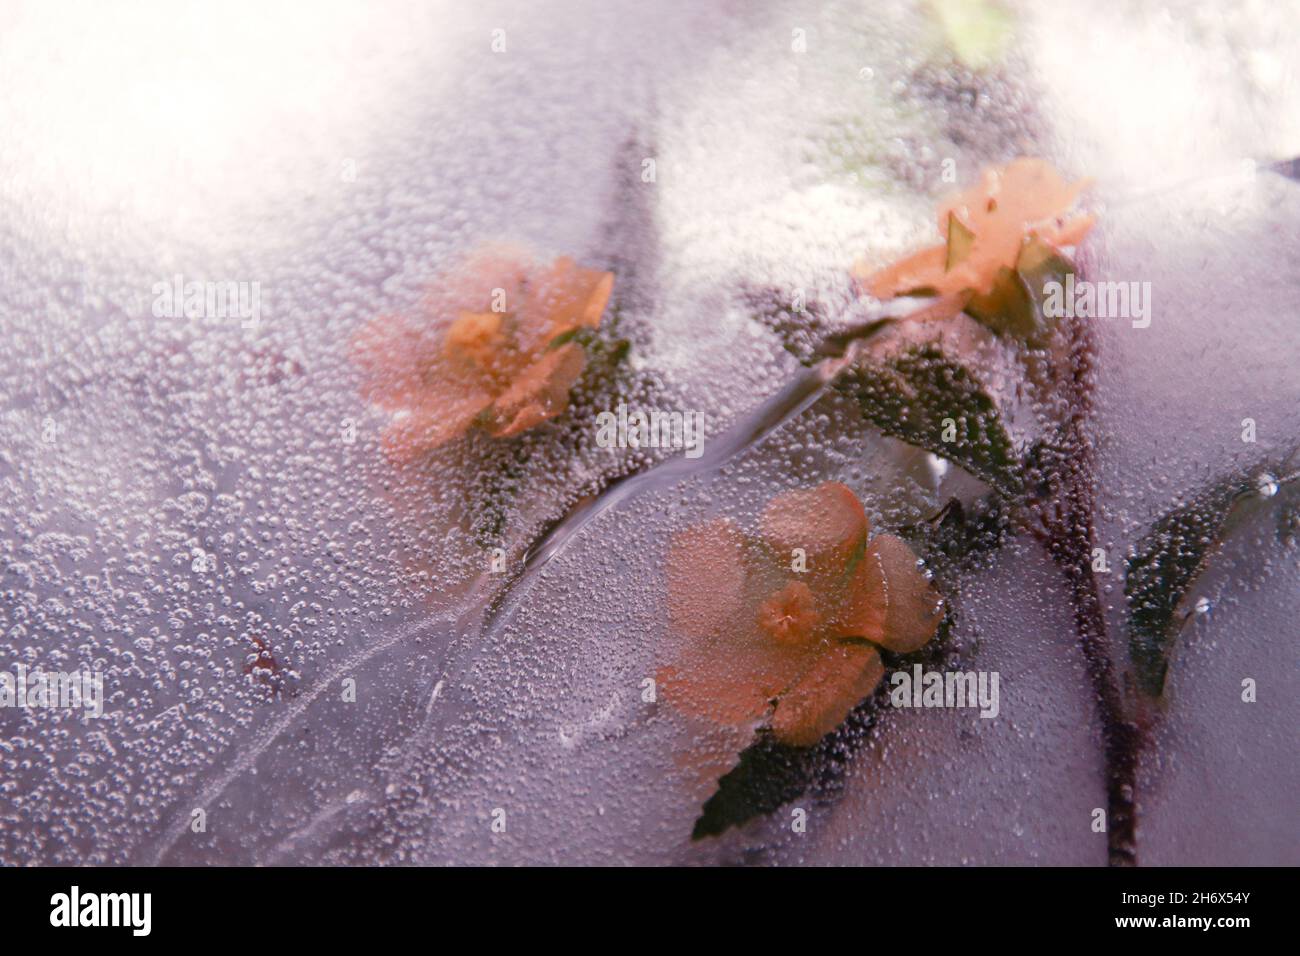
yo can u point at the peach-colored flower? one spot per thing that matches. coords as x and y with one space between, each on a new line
985 229
491 348
754 638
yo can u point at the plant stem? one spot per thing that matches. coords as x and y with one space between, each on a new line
1067 514
1122 737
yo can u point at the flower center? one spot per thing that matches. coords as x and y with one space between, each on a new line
477 336
789 616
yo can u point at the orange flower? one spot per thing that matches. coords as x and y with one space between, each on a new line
755 638
491 348
986 228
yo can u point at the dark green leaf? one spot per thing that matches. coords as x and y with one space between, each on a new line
1015 305
909 396
960 243
1288 503
493 487
769 774
1166 563
959 536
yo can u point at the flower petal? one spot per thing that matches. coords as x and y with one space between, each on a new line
1010 202
539 392
919 271
1070 233
723 692
1022 193
827 522
393 356
890 602
840 677
706 577
405 373
941 309
722 667
477 337
789 615
492 278
564 298
412 433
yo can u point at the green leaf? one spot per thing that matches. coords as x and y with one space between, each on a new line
1015 305
493 487
959 537
920 396
600 344
979 31
1288 502
960 242
769 774
1167 561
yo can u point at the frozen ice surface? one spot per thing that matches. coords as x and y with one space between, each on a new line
181 505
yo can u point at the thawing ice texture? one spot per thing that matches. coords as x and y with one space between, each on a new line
200 509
